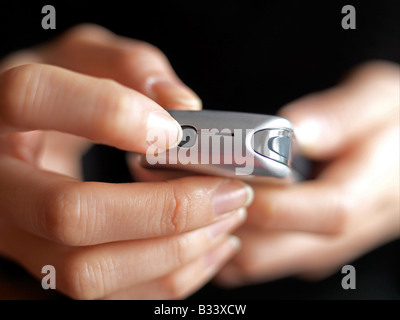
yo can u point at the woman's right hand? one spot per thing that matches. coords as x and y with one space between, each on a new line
158 240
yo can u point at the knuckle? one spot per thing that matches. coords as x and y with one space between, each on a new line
65 215
342 210
19 58
379 66
268 213
379 74
84 31
140 56
176 205
180 249
83 277
148 48
139 52
15 93
174 288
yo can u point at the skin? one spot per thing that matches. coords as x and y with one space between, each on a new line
95 234
311 229
106 241
353 204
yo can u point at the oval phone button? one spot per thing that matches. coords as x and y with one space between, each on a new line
280 145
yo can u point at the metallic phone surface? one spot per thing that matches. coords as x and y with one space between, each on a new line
232 144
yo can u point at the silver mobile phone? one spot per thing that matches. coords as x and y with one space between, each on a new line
232 144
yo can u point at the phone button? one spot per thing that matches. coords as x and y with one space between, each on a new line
274 144
189 137
280 145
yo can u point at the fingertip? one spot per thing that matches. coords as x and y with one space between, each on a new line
313 124
165 130
308 133
229 277
173 95
235 242
185 104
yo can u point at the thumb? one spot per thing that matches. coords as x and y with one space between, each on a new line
328 122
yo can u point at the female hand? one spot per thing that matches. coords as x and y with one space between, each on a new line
314 228
352 206
140 240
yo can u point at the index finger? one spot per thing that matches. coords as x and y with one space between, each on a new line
43 97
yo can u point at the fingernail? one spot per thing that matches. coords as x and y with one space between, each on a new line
235 242
195 104
167 133
173 95
220 254
227 225
232 195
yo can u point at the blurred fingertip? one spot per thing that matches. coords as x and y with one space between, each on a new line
229 277
309 129
235 241
185 104
172 94
308 133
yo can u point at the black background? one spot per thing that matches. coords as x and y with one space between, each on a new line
245 56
